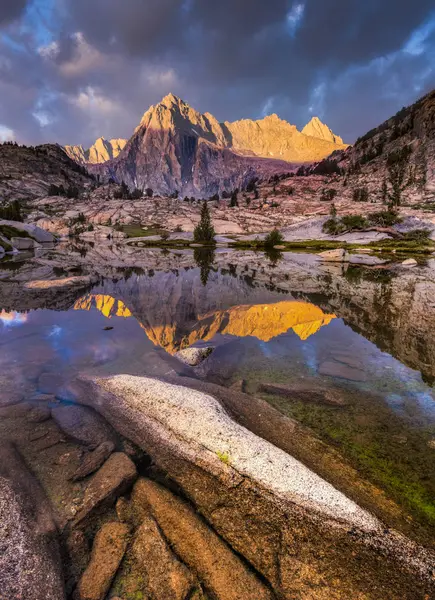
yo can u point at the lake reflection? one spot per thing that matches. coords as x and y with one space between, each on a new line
268 323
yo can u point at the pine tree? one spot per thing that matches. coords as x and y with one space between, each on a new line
234 201
384 192
204 231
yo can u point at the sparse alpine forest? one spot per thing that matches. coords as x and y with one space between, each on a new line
217 360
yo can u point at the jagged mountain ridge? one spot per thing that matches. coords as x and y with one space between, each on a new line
177 148
270 137
101 151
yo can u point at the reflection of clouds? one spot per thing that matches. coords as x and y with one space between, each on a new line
55 331
103 353
12 319
426 401
266 350
413 404
310 354
394 401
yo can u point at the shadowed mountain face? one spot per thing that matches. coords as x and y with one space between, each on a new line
177 148
27 172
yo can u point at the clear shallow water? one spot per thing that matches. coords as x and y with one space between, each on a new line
262 332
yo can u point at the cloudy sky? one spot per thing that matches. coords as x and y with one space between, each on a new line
72 70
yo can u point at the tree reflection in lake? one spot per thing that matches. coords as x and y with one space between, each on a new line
204 258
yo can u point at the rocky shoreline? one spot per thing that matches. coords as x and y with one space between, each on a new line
227 497
137 467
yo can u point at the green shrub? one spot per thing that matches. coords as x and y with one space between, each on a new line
164 236
384 218
11 212
417 235
333 226
354 222
361 194
336 226
9 232
328 195
274 238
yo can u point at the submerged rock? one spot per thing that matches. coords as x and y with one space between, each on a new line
30 566
337 255
198 546
337 369
194 356
114 478
151 569
50 383
316 396
83 424
347 359
93 460
107 553
10 392
364 259
39 414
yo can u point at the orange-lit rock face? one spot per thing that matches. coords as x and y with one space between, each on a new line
266 321
107 305
263 321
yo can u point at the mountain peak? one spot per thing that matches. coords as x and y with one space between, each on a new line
315 128
316 120
171 100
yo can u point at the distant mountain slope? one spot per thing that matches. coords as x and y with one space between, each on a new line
102 151
397 157
177 148
28 172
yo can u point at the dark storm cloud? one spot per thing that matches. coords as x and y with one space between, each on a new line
11 10
138 27
353 63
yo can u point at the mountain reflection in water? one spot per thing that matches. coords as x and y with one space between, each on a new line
262 321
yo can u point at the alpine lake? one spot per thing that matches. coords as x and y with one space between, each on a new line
347 352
